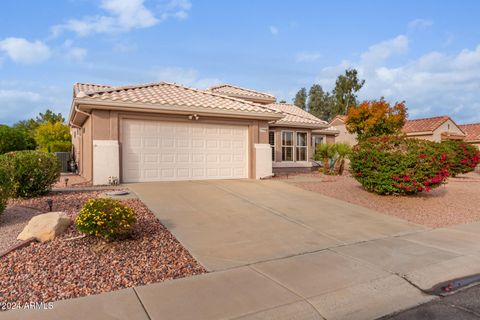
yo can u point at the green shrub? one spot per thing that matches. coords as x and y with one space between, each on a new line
397 165
13 139
60 146
6 186
33 172
463 157
106 218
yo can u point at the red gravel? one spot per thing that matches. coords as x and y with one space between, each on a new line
455 203
74 181
63 269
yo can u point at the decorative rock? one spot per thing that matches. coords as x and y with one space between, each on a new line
45 227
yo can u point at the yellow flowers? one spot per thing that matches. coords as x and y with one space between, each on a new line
106 218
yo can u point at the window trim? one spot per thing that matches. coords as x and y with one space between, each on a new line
286 146
273 146
305 146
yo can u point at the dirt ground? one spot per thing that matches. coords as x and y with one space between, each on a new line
457 202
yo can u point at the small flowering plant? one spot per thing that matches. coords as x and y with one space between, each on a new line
400 166
106 218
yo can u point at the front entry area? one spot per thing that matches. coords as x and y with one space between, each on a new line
172 151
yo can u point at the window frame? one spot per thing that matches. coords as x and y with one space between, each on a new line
288 146
301 147
274 156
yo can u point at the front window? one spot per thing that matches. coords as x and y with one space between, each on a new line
316 141
271 141
301 146
287 146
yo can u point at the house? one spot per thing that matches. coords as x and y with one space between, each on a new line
434 129
472 133
166 132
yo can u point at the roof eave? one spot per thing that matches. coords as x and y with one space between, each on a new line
88 104
299 125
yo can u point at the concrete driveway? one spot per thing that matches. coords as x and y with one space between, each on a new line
232 223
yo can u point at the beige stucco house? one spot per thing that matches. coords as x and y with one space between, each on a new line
472 133
434 129
166 132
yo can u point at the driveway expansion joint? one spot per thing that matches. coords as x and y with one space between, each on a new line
141 303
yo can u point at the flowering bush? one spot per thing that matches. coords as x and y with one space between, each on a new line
106 218
463 157
397 165
33 172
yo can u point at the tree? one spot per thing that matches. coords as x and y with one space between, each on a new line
346 87
376 118
13 139
282 101
49 117
300 99
319 102
53 137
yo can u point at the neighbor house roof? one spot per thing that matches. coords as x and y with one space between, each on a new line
424 124
340 117
234 91
472 131
295 116
166 97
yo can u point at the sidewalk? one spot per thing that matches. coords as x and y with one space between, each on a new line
365 280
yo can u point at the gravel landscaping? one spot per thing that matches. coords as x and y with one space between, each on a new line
74 181
451 204
66 268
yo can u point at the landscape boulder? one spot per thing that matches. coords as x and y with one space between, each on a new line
45 227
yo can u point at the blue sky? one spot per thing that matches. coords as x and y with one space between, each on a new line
424 52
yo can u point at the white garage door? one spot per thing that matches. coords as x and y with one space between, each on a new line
168 151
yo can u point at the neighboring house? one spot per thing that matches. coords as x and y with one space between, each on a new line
434 129
165 132
472 133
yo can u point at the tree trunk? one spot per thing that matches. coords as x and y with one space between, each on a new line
338 167
326 166
342 167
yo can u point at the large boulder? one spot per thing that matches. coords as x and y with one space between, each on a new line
45 227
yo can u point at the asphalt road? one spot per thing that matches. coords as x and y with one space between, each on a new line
463 305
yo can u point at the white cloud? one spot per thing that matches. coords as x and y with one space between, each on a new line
432 84
420 24
23 51
274 30
378 53
73 53
186 77
123 16
11 100
305 56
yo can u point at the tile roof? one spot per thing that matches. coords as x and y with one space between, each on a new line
296 116
88 87
169 94
424 125
472 131
340 117
229 90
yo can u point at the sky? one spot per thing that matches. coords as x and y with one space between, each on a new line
426 53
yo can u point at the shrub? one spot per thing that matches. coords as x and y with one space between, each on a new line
33 172
397 165
106 218
13 139
463 157
325 152
52 135
60 146
6 186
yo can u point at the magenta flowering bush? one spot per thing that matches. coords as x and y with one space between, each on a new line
399 166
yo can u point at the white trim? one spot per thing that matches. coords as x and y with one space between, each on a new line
293 145
306 145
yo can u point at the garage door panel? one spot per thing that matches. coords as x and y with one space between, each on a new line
156 151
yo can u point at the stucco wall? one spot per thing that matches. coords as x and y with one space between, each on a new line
86 150
344 136
105 125
447 126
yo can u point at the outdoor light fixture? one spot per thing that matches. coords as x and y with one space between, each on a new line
50 204
66 182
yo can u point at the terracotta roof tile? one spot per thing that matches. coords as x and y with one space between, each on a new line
229 90
164 93
472 131
88 87
295 115
424 125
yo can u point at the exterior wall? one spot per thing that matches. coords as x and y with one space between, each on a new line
428 137
278 147
105 126
86 150
343 136
447 126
